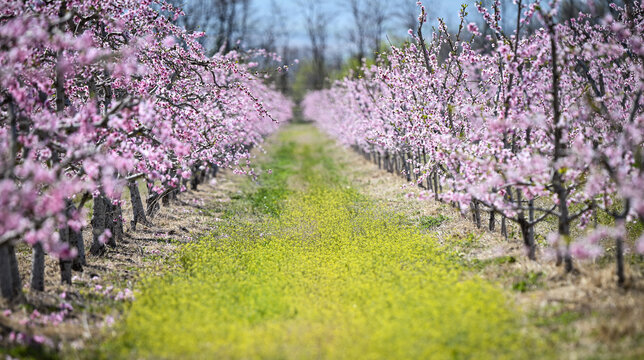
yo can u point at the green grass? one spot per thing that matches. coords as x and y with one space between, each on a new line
320 272
431 222
528 281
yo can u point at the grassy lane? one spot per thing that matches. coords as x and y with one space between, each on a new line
306 267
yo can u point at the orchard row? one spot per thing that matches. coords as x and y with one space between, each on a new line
543 120
95 95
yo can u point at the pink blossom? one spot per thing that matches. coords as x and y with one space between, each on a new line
105 236
471 27
640 245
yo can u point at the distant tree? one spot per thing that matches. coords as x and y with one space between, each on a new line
316 20
377 16
406 13
369 18
225 21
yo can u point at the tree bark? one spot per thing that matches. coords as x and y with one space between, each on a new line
138 214
619 258
436 185
492 224
528 239
76 240
65 265
397 172
15 273
110 221
37 280
477 214
526 230
116 223
559 152
504 227
10 284
407 166
68 236
98 226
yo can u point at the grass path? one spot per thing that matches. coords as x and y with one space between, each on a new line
304 266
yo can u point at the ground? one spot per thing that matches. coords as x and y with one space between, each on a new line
330 257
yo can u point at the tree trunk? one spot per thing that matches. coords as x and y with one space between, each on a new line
110 221
76 240
65 264
38 268
559 152
10 284
152 202
165 199
65 271
528 239
531 219
568 261
473 212
194 182
436 185
504 227
619 256
396 163
138 214
526 231
98 226
15 273
416 164
564 223
116 223
492 224
385 161
559 257
477 214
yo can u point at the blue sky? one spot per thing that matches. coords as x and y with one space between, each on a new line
341 20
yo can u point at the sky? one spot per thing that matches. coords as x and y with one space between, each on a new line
341 19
